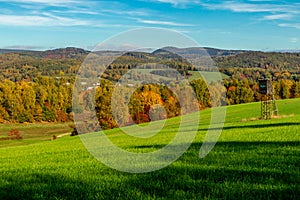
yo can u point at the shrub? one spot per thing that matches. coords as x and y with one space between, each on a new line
74 131
15 134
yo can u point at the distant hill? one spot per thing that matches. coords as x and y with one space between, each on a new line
72 52
254 59
3 51
178 54
287 51
62 53
201 51
68 60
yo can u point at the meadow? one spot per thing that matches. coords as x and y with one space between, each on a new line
33 133
194 75
208 76
253 159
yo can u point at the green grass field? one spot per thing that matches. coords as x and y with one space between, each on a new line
252 160
32 133
208 76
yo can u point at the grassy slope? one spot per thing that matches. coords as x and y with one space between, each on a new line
209 76
32 133
254 159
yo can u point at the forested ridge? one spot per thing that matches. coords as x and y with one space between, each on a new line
37 86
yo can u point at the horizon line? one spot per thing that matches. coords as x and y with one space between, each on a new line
41 49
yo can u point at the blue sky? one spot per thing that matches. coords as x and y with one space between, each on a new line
230 24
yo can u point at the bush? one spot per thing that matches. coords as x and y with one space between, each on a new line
15 134
74 131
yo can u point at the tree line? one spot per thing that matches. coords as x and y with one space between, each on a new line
45 99
50 99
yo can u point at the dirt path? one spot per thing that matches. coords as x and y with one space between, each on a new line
64 134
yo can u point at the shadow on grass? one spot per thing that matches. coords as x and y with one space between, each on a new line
234 144
255 126
182 182
233 170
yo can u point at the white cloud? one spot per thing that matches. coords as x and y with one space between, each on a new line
260 0
273 10
49 2
48 19
30 5
294 40
79 11
31 20
278 16
291 25
177 3
157 22
141 12
248 7
69 13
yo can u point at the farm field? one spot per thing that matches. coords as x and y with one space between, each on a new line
253 159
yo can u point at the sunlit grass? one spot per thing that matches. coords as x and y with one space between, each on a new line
253 160
32 133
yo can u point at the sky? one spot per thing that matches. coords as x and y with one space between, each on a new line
228 24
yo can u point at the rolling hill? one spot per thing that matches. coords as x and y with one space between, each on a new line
252 159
